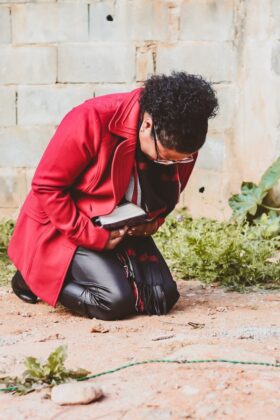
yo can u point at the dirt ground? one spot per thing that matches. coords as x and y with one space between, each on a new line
230 326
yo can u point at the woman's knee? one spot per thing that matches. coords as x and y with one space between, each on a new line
98 302
117 305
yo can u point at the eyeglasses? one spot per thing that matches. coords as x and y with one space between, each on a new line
167 161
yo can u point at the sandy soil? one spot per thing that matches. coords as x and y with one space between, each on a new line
232 326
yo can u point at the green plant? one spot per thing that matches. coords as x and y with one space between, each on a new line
6 230
234 255
6 268
37 375
250 202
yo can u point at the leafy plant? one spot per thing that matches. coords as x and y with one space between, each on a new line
6 230
233 255
37 375
250 201
6 268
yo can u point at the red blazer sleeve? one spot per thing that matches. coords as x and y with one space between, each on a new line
72 148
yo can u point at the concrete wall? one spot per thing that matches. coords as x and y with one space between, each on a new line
56 54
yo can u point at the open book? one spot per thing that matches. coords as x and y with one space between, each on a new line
127 214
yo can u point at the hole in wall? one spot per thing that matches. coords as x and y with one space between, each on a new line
109 18
201 189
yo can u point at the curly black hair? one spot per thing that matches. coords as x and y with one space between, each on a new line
180 105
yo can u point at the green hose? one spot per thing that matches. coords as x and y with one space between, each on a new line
183 361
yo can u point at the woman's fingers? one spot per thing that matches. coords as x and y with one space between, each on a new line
116 237
119 233
145 229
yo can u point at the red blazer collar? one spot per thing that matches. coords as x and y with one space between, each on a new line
125 120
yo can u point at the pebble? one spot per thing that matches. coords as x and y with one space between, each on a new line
76 393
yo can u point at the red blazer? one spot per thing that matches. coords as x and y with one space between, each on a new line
84 172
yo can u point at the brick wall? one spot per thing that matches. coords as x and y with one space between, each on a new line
56 54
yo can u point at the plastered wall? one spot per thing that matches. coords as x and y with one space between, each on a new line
56 54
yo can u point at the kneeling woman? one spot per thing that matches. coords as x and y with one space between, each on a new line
140 147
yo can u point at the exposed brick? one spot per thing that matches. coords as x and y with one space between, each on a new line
7 105
49 104
145 62
96 63
213 60
27 64
23 146
39 23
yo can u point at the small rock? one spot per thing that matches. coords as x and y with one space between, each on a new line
99 328
76 393
221 309
211 311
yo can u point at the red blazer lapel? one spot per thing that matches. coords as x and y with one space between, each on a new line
125 124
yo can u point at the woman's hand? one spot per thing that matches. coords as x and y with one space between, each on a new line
146 229
116 237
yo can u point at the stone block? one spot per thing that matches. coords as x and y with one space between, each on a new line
212 154
275 19
258 23
29 173
27 64
199 58
124 20
228 100
205 20
5 25
45 22
145 62
275 59
206 195
12 187
29 1
23 146
7 105
9 213
106 89
49 104
96 63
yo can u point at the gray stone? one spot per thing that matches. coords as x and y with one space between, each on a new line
207 193
39 23
96 63
23 146
212 154
76 393
106 89
27 64
5 25
228 100
124 20
275 59
7 105
12 187
275 19
207 20
199 58
49 104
